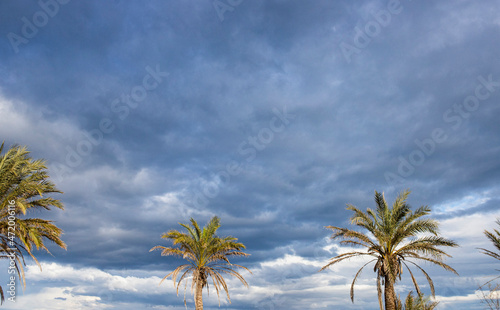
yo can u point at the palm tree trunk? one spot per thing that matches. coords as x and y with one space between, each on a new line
198 298
389 294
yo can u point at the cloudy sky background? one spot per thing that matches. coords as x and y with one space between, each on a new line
270 114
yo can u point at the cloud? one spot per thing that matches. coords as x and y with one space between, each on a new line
65 287
25 125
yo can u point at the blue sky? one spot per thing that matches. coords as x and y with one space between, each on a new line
272 115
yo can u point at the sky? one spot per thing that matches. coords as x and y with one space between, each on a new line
272 115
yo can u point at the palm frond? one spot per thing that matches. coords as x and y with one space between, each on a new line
494 237
342 257
356 277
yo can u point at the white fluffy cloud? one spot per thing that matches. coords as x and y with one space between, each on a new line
65 287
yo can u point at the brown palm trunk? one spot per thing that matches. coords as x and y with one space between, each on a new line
389 294
198 296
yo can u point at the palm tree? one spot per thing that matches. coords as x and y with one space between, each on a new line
396 236
419 303
495 239
206 255
24 188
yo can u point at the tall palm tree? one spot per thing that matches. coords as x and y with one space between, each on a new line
206 255
396 235
25 188
495 239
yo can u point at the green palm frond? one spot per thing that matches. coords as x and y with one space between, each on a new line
348 235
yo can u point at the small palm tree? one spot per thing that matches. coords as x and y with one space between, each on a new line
495 239
24 188
396 236
419 303
207 257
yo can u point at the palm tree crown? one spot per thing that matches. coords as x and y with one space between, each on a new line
397 235
206 255
24 185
